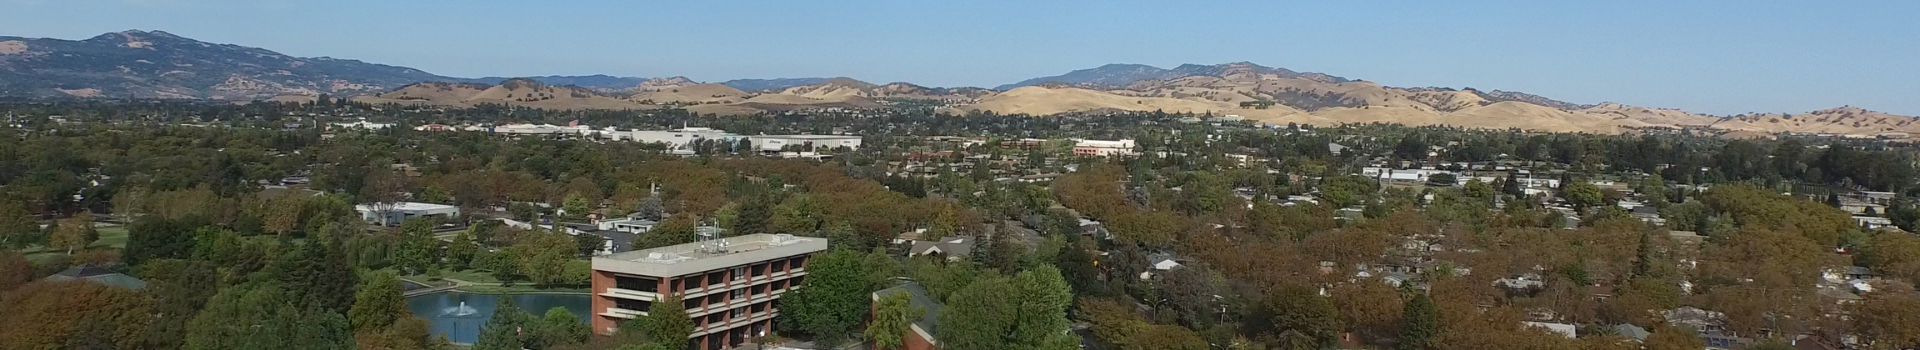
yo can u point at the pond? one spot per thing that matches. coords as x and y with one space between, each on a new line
459 315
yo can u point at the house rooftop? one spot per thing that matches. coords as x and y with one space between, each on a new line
90 273
920 299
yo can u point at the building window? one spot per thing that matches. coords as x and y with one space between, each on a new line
759 290
635 305
739 294
637 283
716 299
716 278
759 308
739 273
736 314
691 304
759 270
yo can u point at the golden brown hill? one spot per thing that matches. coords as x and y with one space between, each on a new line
836 87
689 94
517 92
1838 121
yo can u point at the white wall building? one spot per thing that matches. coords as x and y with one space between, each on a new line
396 213
1103 148
766 143
680 138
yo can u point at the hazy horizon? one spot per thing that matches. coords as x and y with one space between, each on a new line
1717 57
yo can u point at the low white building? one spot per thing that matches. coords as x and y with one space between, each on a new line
775 143
680 138
395 213
363 125
627 224
1103 148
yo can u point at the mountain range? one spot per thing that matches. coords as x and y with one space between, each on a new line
156 64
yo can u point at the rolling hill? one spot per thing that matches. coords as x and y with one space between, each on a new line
156 64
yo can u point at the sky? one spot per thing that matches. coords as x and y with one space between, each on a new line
1707 56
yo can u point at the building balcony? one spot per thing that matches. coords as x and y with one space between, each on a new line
620 313
630 294
730 324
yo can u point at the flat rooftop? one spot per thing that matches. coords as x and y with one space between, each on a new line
709 255
410 206
808 137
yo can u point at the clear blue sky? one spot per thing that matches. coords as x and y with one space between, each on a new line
1720 57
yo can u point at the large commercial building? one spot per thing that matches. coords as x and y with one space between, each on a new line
1103 148
679 138
395 213
729 286
766 143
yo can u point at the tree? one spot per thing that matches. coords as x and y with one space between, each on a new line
1422 324
462 251
560 327
1894 254
1296 309
666 323
834 299
45 315
418 250
15 270
262 316
378 303
1886 319
1027 311
650 208
575 206
316 275
1346 191
978 317
74 233
507 330
1166 337
17 226
1041 313
543 256
1582 194
282 215
588 243
180 289
892 317
155 237
1675 338
1442 180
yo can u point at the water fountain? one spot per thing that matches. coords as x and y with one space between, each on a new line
460 311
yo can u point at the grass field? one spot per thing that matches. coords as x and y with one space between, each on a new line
111 237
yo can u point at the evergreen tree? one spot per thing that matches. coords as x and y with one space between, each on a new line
507 330
317 275
263 316
1422 324
559 327
378 303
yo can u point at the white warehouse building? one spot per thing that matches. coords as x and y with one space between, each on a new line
396 213
768 143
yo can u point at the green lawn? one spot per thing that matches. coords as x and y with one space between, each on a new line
112 237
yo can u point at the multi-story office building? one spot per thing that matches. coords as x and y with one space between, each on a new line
728 286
